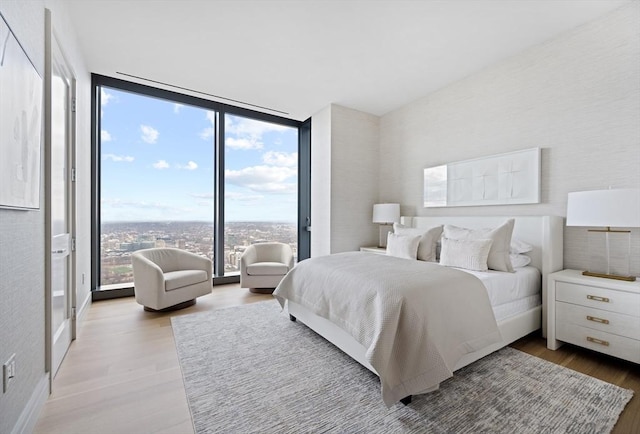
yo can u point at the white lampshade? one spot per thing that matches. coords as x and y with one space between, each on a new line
618 208
386 213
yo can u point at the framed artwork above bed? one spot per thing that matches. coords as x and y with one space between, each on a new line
503 179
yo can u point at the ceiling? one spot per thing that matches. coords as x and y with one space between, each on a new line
295 57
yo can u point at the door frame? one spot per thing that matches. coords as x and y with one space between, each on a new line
57 53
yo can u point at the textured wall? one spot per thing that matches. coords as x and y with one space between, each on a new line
344 179
321 183
22 279
354 180
576 96
22 254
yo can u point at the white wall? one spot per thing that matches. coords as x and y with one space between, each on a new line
576 96
344 179
321 183
22 279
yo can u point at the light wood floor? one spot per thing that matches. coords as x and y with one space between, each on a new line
122 374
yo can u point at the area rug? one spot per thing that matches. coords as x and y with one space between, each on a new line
249 369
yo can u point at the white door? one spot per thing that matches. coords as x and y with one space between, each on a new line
60 222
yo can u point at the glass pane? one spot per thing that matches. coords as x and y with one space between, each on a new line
59 199
261 186
157 172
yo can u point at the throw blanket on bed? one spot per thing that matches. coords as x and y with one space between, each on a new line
416 319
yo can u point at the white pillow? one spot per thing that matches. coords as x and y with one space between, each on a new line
428 239
469 254
403 246
519 246
519 260
501 236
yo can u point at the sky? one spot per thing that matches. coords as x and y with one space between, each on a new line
157 163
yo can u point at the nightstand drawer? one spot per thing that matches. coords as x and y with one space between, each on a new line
610 322
599 298
625 348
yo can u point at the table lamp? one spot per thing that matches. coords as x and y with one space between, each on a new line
385 214
619 208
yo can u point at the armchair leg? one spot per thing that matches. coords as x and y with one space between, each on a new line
172 308
262 290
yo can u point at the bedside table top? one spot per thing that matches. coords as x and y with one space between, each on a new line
373 249
575 276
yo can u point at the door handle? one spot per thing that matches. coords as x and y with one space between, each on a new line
59 251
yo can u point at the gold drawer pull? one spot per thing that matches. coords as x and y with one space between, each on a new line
597 341
595 319
596 298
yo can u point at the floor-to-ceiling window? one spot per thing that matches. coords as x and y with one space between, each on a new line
167 174
156 180
261 186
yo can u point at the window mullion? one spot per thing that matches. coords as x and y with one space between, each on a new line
218 250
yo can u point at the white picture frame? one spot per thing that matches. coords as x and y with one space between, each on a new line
504 179
20 124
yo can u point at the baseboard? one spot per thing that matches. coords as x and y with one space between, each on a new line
29 416
82 310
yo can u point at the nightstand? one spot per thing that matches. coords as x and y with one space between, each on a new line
374 249
595 313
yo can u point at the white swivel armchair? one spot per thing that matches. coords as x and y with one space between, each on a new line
263 265
168 279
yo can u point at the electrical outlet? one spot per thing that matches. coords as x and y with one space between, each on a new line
8 372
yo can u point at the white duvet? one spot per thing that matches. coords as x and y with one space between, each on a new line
416 319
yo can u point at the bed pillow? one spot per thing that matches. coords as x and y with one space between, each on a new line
469 254
519 260
499 254
403 246
519 246
428 239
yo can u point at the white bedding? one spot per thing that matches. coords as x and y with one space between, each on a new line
511 293
516 307
416 319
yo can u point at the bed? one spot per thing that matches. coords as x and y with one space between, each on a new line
542 233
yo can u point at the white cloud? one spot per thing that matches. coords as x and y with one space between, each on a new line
105 136
248 127
263 179
207 133
149 134
118 158
247 133
245 143
191 165
212 117
208 196
105 97
274 188
281 158
160 164
242 197
177 107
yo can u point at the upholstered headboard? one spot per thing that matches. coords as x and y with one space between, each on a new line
544 233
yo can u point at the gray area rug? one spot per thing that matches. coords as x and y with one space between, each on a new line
249 369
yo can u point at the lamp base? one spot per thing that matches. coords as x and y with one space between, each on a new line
610 276
384 233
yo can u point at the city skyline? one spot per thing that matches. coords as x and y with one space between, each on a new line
119 240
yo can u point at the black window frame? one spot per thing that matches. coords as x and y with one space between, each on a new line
221 109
